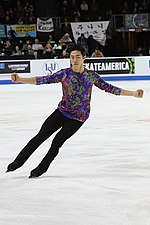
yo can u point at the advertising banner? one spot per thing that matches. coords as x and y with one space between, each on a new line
14 66
111 66
45 25
49 66
142 65
31 68
24 30
121 68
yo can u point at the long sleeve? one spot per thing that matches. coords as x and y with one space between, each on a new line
103 85
54 78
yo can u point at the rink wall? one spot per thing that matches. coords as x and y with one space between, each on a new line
110 69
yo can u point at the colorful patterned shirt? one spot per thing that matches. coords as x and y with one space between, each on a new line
77 89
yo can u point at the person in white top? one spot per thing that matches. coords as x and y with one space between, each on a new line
37 46
84 6
65 39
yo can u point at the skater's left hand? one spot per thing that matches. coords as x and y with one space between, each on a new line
138 93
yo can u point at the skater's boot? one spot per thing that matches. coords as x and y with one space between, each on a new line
36 173
12 166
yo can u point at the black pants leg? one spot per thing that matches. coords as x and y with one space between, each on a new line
54 122
51 124
68 129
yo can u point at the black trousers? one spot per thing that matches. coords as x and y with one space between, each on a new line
54 122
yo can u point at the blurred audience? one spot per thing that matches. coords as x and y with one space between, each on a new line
69 11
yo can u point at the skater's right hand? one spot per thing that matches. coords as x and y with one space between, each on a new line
15 77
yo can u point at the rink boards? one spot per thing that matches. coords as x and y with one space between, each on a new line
117 68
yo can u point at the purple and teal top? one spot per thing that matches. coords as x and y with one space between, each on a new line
77 89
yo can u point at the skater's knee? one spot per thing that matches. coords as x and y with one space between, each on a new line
56 144
41 136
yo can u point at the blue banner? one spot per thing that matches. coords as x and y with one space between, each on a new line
2 31
23 30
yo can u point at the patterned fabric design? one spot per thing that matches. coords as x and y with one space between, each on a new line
77 89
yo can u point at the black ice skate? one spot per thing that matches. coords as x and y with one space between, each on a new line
35 173
12 166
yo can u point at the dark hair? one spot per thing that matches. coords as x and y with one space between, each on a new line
76 47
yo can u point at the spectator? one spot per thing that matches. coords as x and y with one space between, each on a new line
84 10
77 16
97 53
32 19
16 51
94 9
28 8
25 45
65 54
65 40
37 46
20 20
2 46
83 40
64 10
144 7
19 10
74 7
29 51
84 6
2 14
125 8
8 48
135 8
92 44
35 55
50 40
108 14
48 50
139 51
7 18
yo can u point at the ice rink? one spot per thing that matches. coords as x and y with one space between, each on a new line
101 175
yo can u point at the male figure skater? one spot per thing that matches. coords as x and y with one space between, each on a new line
72 111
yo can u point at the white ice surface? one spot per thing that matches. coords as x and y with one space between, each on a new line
101 175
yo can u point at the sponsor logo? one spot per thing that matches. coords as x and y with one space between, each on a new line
16 67
50 67
19 67
111 66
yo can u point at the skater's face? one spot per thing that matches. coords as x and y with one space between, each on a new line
77 60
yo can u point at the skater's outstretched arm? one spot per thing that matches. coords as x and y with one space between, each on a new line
28 80
138 93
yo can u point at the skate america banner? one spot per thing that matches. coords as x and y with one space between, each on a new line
24 30
45 25
111 65
96 29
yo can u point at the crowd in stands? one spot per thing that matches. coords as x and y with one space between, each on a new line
17 12
33 49
23 12
91 10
